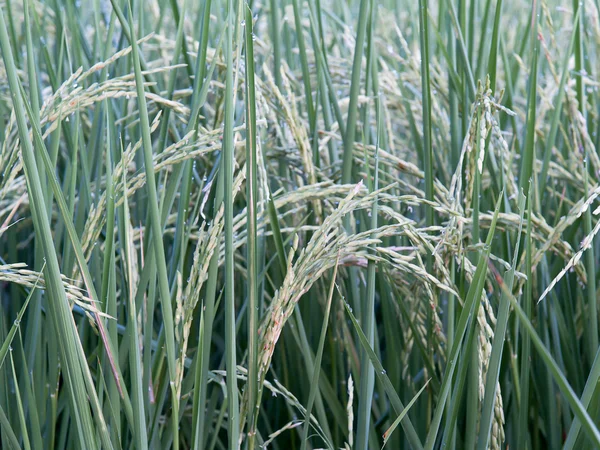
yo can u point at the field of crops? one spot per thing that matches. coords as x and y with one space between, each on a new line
288 224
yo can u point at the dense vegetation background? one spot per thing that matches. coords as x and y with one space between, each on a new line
292 225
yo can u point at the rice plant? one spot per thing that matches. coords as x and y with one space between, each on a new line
299 224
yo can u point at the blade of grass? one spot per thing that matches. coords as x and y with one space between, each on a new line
483 61
304 65
109 273
468 314
8 432
314 386
409 429
66 214
274 16
493 372
529 149
426 110
349 136
392 428
590 265
228 158
20 411
172 76
559 378
58 306
367 375
135 360
589 392
201 383
159 251
463 50
31 400
251 211
493 58
6 344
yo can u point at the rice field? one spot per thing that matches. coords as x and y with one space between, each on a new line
286 224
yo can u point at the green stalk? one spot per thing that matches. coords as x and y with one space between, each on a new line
274 16
590 265
459 32
529 149
57 306
201 382
559 378
66 214
409 429
159 251
493 58
304 65
135 359
367 378
31 403
426 103
108 294
20 410
32 339
349 136
314 386
427 158
590 391
468 315
205 332
481 59
228 157
172 78
493 373
252 248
